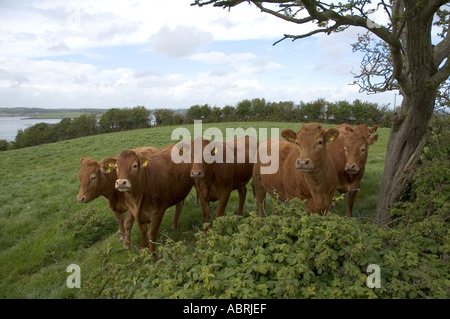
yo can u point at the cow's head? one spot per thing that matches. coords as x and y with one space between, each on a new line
200 163
356 147
311 142
93 178
129 166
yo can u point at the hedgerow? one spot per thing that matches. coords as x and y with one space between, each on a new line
288 255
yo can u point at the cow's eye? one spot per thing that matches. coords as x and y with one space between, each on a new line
363 150
135 165
320 142
93 176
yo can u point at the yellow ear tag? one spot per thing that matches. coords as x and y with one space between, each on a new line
108 170
145 163
111 164
291 139
331 139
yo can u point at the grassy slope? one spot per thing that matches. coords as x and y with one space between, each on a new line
43 228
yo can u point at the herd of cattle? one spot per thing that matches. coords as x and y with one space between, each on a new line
313 164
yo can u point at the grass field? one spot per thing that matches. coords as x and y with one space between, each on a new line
44 229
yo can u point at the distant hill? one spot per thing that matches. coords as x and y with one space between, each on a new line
42 113
34 112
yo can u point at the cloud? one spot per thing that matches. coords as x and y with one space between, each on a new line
84 25
60 47
240 61
117 30
224 22
57 84
109 54
221 58
333 54
179 42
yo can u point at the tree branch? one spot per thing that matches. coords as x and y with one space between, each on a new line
431 7
441 75
319 11
386 9
441 50
327 14
296 37
282 16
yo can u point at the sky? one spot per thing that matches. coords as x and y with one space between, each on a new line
104 54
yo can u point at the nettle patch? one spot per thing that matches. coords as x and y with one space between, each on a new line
287 255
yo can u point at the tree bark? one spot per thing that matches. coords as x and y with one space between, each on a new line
409 131
406 141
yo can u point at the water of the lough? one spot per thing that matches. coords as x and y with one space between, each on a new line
10 125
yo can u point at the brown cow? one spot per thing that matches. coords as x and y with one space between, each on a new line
305 170
98 179
349 154
151 187
215 177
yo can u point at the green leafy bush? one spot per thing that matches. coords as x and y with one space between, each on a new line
288 255
428 194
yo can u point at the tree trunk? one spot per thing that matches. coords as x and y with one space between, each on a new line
405 144
409 130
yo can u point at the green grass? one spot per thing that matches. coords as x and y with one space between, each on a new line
44 229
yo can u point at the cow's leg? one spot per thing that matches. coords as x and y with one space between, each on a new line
242 193
144 241
176 218
350 201
260 193
119 217
154 228
204 201
223 201
129 220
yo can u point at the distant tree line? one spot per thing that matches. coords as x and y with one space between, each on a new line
285 111
115 119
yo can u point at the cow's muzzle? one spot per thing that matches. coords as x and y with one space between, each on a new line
82 198
123 185
351 168
197 173
304 165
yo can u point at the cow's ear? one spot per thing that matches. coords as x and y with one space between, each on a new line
289 135
372 140
331 135
349 129
107 165
373 129
87 161
182 147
